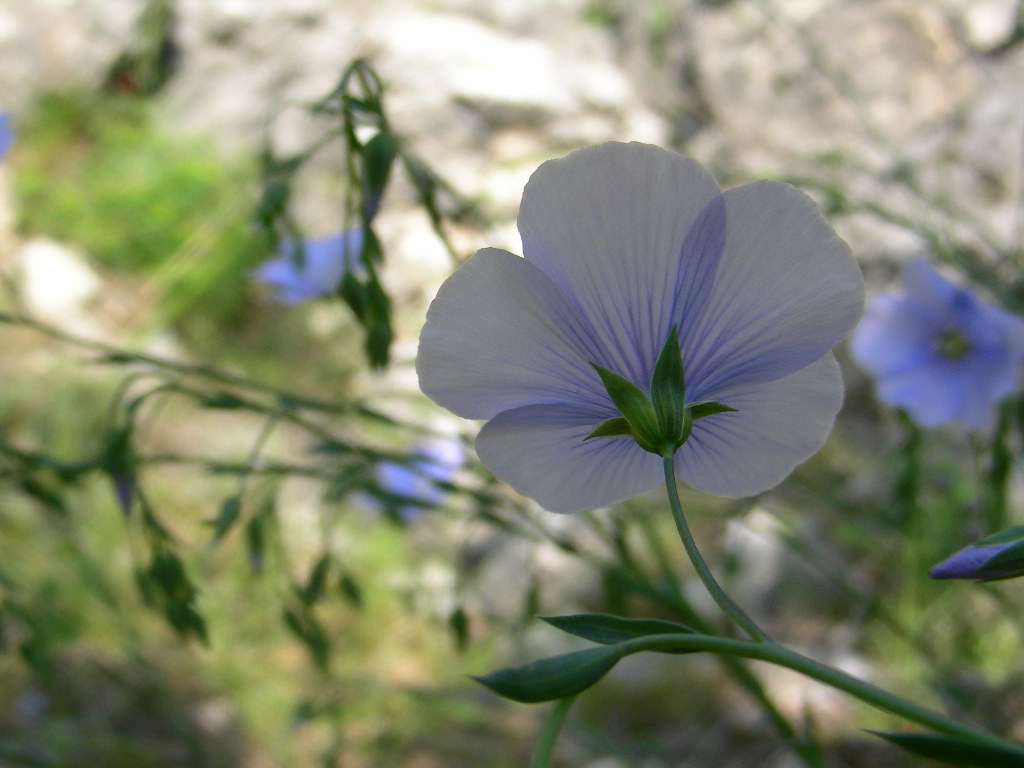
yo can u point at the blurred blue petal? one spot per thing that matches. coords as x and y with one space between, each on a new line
938 351
414 484
313 271
623 242
6 134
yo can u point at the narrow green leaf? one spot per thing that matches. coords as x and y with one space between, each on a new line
255 542
635 406
953 751
610 428
229 511
709 408
350 589
378 155
274 202
223 401
458 623
553 678
668 391
1009 559
305 626
317 581
1013 533
608 630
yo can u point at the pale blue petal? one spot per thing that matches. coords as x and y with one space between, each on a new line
407 483
439 459
892 338
6 134
932 393
284 277
607 224
316 271
998 336
941 390
541 452
786 291
500 335
777 425
929 293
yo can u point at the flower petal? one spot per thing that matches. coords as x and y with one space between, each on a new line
932 295
540 451
607 225
776 426
786 291
501 335
892 338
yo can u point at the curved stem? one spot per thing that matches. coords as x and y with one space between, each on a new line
804 746
776 654
549 733
724 601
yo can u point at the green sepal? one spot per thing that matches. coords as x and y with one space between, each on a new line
668 394
553 678
1009 560
610 428
709 408
954 751
608 630
635 406
1014 533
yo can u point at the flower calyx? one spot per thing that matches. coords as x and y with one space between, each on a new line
661 421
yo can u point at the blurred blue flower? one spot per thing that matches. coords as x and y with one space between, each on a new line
622 243
999 556
938 351
315 270
6 134
413 485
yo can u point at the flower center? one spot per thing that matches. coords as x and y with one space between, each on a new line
953 344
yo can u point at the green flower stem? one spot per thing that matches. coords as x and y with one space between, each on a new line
548 735
804 746
723 600
773 653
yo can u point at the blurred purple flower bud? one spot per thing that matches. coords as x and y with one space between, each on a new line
414 484
124 490
1000 556
315 270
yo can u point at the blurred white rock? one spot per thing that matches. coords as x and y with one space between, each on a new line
57 285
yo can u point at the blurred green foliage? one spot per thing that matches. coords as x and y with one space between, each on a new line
94 171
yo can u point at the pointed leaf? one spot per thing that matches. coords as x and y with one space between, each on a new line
350 589
668 391
378 154
1010 535
953 751
635 407
709 408
553 678
608 630
458 623
317 581
229 511
1009 559
610 428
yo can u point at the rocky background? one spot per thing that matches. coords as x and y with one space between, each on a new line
864 95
